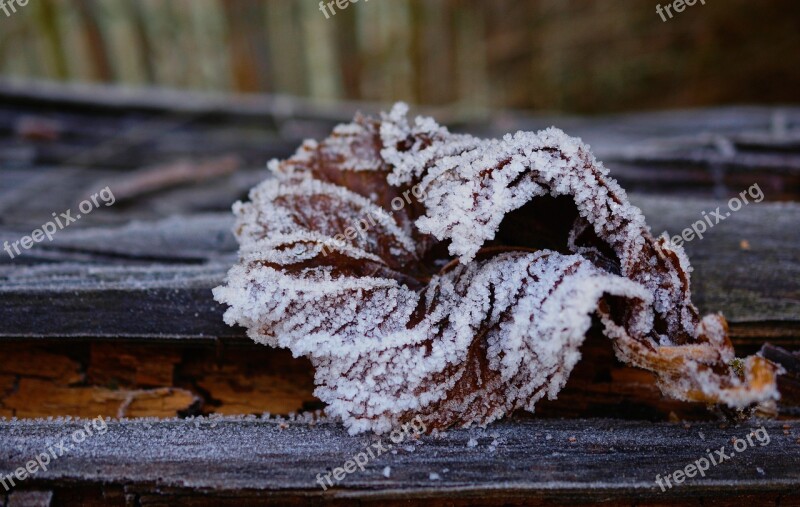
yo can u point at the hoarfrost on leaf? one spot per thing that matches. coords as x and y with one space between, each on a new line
472 301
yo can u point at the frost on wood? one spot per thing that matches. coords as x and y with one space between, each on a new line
473 300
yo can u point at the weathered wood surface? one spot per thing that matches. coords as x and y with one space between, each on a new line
103 127
131 378
156 462
710 152
115 316
117 377
153 279
789 381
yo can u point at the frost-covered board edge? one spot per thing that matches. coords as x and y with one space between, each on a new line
519 459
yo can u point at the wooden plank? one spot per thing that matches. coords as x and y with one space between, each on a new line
112 376
86 141
90 97
115 377
47 14
30 499
789 381
523 461
746 266
703 152
102 127
160 304
153 279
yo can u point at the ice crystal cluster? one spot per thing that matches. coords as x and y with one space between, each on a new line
472 300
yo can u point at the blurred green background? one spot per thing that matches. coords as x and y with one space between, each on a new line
575 56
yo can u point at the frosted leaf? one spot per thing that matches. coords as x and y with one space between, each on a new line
472 302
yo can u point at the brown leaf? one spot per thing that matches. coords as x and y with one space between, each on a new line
453 278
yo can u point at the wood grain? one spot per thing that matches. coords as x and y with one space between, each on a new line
520 462
114 378
144 279
115 317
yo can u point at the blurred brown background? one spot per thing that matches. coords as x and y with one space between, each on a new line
575 56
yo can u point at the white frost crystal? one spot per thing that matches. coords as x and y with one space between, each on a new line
436 308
